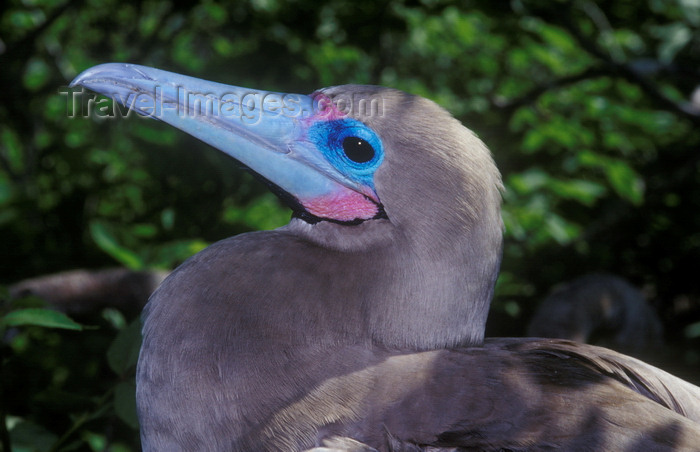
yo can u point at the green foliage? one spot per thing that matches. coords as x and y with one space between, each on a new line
38 317
63 377
121 356
136 255
584 104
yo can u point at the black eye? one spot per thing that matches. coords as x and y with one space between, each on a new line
358 150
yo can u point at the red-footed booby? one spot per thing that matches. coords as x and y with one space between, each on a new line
360 324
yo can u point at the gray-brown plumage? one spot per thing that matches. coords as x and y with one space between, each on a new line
361 323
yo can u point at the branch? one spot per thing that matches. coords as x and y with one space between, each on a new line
608 67
630 74
80 292
510 106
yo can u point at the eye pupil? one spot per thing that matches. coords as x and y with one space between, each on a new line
358 150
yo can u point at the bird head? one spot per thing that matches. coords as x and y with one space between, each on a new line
324 154
360 166
319 160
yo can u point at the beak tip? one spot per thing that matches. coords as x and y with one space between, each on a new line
108 71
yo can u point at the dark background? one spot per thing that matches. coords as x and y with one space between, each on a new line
585 105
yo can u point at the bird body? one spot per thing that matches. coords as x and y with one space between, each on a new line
271 377
291 393
362 320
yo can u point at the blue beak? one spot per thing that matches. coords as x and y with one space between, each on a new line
268 132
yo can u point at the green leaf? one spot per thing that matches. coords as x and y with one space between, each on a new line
124 350
512 308
125 403
534 141
167 218
692 331
674 37
12 148
626 182
95 440
170 254
145 230
528 181
29 437
39 317
37 74
108 243
583 191
561 230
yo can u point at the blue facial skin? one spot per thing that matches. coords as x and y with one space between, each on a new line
310 158
350 146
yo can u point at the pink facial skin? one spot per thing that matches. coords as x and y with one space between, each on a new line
344 205
325 109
